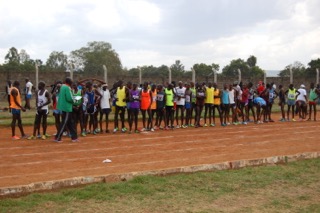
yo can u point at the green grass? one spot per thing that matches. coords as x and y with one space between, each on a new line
293 187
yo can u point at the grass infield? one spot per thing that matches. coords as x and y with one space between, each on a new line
292 187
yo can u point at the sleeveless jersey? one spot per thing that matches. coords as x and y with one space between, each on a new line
42 99
154 100
225 97
209 95
217 99
77 94
13 105
313 95
121 95
145 99
169 97
160 100
135 103
292 94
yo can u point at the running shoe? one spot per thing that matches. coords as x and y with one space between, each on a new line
65 133
293 119
244 123
47 135
123 130
115 130
43 137
57 141
136 131
205 125
83 134
75 140
212 124
31 137
177 127
15 138
38 136
143 129
152 129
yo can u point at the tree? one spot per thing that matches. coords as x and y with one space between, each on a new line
91 58
298 70
12 60
177 69
312 66
12 56
57 61
249 69
205 70
252 61
23 56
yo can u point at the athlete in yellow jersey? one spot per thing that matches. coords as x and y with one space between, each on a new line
217 104
208 106
121 102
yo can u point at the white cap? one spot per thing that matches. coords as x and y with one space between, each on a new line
302 86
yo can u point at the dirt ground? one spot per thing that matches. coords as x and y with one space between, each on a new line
29 161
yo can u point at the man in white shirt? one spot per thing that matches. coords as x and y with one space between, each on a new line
28 91
302 102
180 101
105 106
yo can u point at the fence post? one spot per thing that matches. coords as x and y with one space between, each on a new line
317 79
214 75
37 74
170 80
239 77
291 76
105 71
193 75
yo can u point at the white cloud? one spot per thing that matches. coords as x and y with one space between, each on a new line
159 32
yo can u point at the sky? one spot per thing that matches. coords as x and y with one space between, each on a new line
159 32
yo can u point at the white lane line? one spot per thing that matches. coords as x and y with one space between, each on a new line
153 152
106 166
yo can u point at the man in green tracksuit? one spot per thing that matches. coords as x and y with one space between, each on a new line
65 103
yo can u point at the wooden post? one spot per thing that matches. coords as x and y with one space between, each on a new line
317 78
170 80
264 77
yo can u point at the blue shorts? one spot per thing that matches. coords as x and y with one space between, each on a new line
28 96
291 102
15 111
57 112
188 105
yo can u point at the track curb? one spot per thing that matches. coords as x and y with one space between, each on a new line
20 190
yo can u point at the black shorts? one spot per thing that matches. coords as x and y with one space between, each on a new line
42 112
105 111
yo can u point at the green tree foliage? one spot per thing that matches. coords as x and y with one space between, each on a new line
252 61
298 70
12 60
249 69
90 59
206 71
57 61
177 69
312 66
